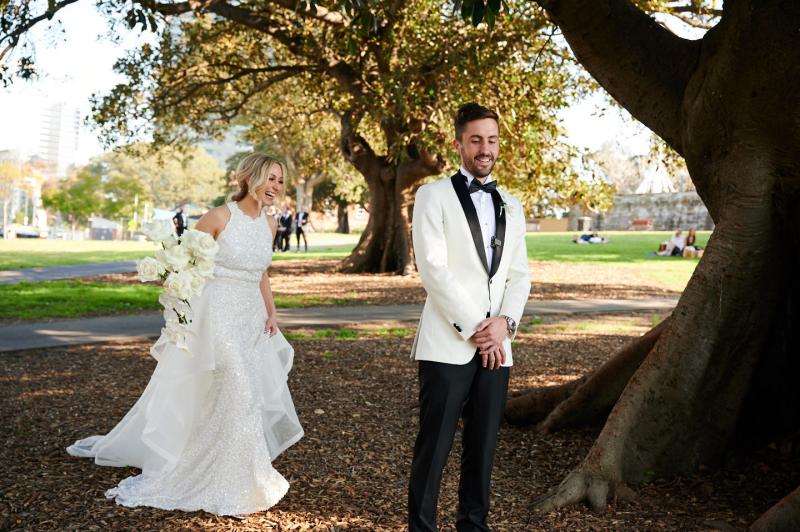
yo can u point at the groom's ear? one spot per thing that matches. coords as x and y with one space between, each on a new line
456 144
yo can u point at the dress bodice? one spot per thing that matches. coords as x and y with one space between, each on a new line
245 247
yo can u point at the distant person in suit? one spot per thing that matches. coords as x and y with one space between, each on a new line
285 224
300 220
179 222
276 241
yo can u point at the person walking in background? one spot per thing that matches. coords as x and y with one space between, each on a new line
276 241
285 224
300 220
179 222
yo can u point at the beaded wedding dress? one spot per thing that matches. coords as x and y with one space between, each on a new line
213 417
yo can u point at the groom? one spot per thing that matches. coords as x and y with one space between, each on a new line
469 243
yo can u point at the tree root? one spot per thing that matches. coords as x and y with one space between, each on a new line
579 486
534 405
587 399
784 516
595 398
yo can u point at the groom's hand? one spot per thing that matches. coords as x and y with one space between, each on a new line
489 338
494 358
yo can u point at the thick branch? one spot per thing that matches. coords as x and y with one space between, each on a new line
313 12
14 35
641 64
357 151
695 10
231 111
171 9
420 165
196 86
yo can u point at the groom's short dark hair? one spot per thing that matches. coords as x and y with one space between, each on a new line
469 112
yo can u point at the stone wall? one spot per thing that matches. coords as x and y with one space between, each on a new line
674 210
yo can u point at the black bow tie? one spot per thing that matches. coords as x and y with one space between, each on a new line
489 187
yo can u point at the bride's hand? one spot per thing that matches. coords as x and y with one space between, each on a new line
271 327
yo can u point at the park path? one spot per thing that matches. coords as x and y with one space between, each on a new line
35 335
65 272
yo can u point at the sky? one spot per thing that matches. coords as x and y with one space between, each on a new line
82 64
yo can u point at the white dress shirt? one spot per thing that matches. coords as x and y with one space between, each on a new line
486 216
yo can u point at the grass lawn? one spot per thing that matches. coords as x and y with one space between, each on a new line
40 253
74 298
65 299
630 250
338 251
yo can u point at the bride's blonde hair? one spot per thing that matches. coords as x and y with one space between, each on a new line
251 174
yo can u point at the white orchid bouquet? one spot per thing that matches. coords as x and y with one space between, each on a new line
184 264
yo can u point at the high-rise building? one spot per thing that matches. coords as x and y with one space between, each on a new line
59 138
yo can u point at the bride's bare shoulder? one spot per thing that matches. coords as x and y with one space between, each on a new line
214 220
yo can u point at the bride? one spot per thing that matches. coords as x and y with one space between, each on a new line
213 417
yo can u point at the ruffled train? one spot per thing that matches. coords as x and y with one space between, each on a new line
212 418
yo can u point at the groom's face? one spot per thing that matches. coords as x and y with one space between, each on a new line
478 146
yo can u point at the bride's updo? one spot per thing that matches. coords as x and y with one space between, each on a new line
252 173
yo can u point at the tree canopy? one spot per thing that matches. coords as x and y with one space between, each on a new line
112 183
387 75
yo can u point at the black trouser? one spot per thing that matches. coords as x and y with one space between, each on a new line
299 231
447 392
286 239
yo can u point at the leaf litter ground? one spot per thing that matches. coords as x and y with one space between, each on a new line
319 282
356 397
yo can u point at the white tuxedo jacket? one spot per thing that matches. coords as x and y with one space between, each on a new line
450 256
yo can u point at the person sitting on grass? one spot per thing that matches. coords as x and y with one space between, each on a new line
691 241
593 238
674 247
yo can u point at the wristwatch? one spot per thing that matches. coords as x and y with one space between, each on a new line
511 325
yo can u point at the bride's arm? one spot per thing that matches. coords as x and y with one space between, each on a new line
266 292
271 326
214 221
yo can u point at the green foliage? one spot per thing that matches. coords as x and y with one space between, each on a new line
10 176
165 176
79 197
397 81
396 71
109 185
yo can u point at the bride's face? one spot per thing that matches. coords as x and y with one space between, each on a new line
273 188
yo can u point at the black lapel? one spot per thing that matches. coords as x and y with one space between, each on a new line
460 184
500 232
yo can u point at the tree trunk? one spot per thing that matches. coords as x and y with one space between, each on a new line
304 191
342 217
385 244
722 374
